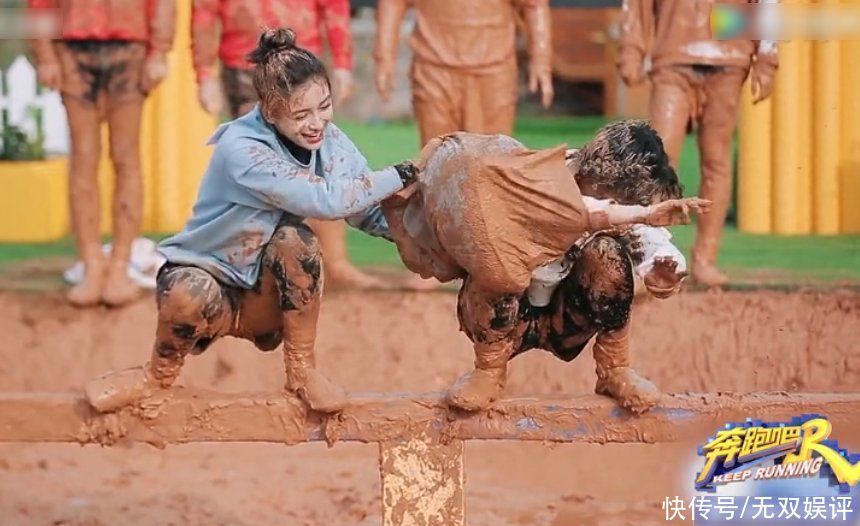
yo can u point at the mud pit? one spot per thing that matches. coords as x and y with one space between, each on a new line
400 342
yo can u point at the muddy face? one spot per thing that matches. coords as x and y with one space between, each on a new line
305 115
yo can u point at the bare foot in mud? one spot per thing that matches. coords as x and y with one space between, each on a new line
345 276
709 276
88 293
119 290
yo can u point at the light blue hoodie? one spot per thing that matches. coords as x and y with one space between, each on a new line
253 181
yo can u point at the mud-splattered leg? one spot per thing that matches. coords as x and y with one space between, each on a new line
719 117
124 120
603 275
84 128
294 261
194 309
489 321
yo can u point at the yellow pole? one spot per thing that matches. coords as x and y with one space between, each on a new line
803 219
826 75
849 162
754 165
786 147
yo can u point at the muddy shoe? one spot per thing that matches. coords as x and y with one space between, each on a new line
633 392
118 389
477 390
320 393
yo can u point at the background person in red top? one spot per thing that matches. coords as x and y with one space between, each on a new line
110 55
229 30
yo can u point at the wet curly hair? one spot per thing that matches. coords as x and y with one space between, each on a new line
280 66
626 162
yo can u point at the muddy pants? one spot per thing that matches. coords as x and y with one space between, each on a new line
448 99
195 309
710 97
594 299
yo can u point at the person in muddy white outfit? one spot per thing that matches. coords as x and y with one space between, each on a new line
247 264
587 294
547 267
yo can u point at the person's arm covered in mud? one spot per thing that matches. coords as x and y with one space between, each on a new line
281 184
536 14
47 62
637 27
389 16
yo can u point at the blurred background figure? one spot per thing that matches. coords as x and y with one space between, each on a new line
695 79
109 57
229 30
464 68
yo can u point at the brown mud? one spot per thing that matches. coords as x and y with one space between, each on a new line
735 341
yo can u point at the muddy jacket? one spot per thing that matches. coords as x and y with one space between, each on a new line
240 22
149 21
253 180
460 34
678 32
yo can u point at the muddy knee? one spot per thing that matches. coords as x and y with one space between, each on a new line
603 273
295 259
193 310
485 317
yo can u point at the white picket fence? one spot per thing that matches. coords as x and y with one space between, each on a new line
22 97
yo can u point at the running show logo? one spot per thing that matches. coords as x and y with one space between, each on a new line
798 449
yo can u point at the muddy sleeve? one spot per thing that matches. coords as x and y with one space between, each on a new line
637 28
389 17
372 221
335 15
204 37
162 25
43 48
348 188
536 14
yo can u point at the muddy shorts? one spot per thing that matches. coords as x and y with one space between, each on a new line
238 85
102 70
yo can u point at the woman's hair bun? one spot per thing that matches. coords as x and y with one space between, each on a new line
273 41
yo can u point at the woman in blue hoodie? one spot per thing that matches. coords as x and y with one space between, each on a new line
246 264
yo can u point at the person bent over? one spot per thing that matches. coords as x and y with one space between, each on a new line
591 225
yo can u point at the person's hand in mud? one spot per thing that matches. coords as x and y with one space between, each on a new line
663 279
761 81
676 211
49 74
384 78
210 96
540 77
154 71
344 85
632 69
